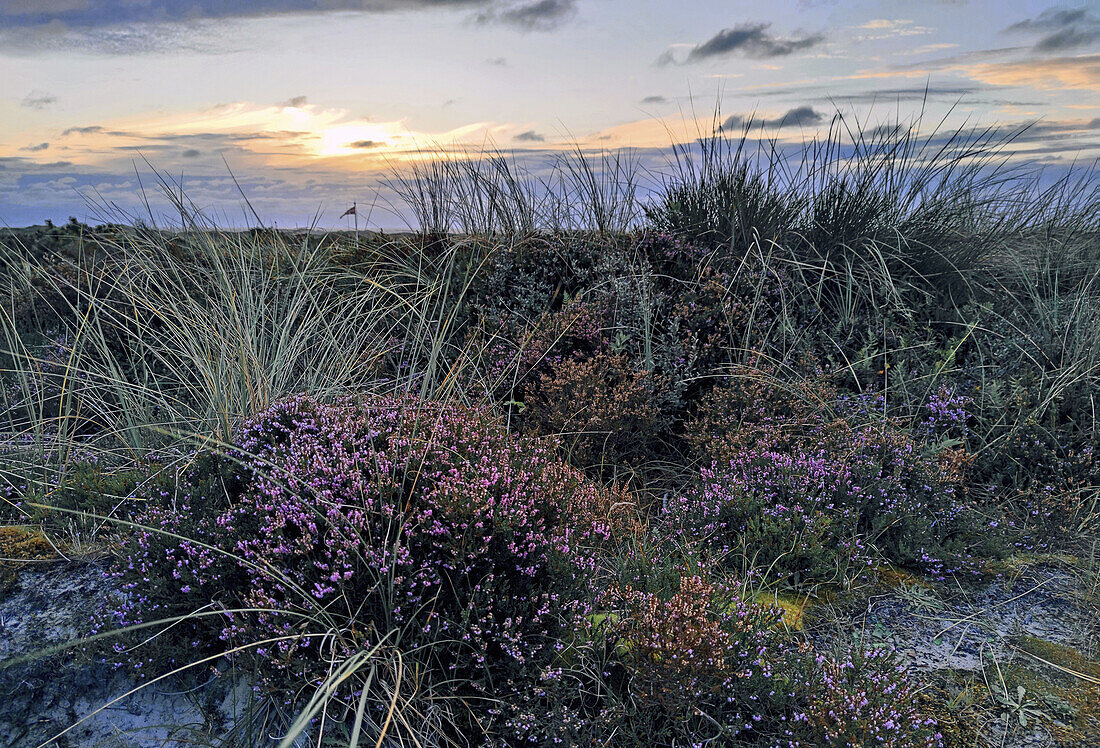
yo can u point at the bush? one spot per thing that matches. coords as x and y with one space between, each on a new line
863 699
672 655
602 409
332 527
677 656
817 491
701 651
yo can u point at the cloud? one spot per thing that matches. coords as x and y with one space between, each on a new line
38 100
294 102
530 136
1081 72
800 116
365 144
498 62
654 100
732 122
133 38
540 15
82 130
913 93
191 153
98 13
666 58
33 148
924 49
129 27
1060 29
745 40
882 28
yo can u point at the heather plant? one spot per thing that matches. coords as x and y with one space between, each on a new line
602 409
330 528
677 654
671 654
527 278
861 698
702 649
817 491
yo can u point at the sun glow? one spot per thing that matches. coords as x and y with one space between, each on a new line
354 138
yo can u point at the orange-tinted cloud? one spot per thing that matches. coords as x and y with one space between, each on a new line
1081 72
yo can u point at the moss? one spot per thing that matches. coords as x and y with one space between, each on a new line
793 607
1060 655
1021 562
18 546
1074 700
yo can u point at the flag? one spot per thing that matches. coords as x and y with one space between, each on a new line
349 212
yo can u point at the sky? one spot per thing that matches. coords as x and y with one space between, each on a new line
306 106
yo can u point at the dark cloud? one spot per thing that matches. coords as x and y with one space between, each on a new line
191 153
1060 29
82 130
39 147
296 102
38 100
665 58
914 93
365 144
499 62
202 36
142 27
1051 19
745 40
530 136
797 117
654 100
95 13
540 15
732 122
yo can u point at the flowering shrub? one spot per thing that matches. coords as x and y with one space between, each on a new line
702 648
525 280
754 406
861 700
603 409
686 660
673 656
818 490
1046 478
577 331
345 523
38 397
718 307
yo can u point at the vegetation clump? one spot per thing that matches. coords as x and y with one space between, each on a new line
332 528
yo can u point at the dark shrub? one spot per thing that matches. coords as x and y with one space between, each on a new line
602 409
